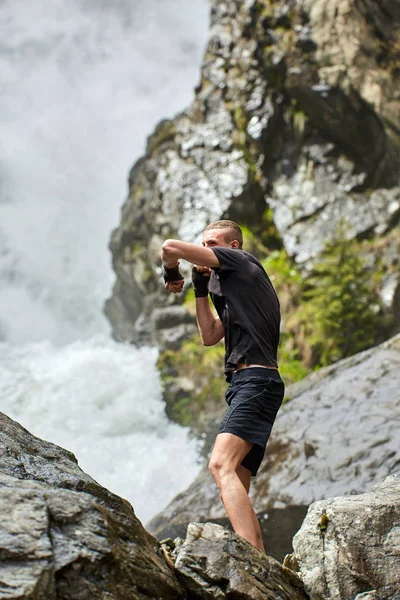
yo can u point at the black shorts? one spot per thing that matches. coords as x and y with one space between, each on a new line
254 397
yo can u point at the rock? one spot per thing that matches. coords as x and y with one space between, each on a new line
349 548
216 563
337 434
63 536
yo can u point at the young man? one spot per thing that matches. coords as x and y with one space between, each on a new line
249 320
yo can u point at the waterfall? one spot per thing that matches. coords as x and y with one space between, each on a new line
83 84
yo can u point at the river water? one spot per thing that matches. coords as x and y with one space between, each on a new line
83 82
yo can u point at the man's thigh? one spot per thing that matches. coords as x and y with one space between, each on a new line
229 450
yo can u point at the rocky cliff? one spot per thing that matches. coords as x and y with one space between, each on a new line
64 537
295 127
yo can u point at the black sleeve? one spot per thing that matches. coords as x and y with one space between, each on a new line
230 259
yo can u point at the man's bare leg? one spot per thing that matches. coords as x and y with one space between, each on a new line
228 453
245 477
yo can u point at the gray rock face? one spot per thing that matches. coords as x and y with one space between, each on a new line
63 536
298 109
338 434
216 563
349 548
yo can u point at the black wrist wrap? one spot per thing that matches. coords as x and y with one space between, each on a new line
200 283
172 274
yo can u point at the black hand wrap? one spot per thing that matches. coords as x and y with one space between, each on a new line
172 274
200 283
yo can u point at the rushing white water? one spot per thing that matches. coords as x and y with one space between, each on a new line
103 402
83 83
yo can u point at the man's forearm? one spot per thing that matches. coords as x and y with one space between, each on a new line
168 259
210 327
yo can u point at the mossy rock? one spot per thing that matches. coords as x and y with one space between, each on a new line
194 383
164 132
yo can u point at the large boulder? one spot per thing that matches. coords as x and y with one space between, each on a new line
349 548
215 563
337 434
64 536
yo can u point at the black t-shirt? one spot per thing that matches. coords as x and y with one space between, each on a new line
248 307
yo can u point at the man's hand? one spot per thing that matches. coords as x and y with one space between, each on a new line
205 270
173 279
200 280
175 287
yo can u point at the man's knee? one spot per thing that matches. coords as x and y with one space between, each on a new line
214 466
217 468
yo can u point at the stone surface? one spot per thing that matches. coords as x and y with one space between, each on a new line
63 536
350 547
216 563
338 434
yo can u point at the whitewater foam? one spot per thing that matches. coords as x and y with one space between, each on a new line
102 401
83 84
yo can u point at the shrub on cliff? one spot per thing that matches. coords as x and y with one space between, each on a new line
339 314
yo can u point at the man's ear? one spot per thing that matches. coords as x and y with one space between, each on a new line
234 244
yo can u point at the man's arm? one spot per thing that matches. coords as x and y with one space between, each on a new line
173 250
210 327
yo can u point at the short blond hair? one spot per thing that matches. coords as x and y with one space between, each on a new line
232 230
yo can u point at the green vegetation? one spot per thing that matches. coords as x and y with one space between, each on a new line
204 368
389 54
240 118
339 315
323 523
328 314
297 117
164 132
262 238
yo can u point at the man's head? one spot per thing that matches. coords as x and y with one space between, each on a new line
223 233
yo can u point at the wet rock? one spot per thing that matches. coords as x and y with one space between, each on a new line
350 547
172 325
216 563
306 207
63 536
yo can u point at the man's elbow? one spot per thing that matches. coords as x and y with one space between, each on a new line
209 341
170 250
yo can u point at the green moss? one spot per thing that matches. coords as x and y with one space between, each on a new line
299 122
203 366
323 523
297 117
252 243
138 191
281 269
268 233
164 131
240 118
264 8
388 54
291 366
183 412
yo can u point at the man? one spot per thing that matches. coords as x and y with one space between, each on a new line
249 320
